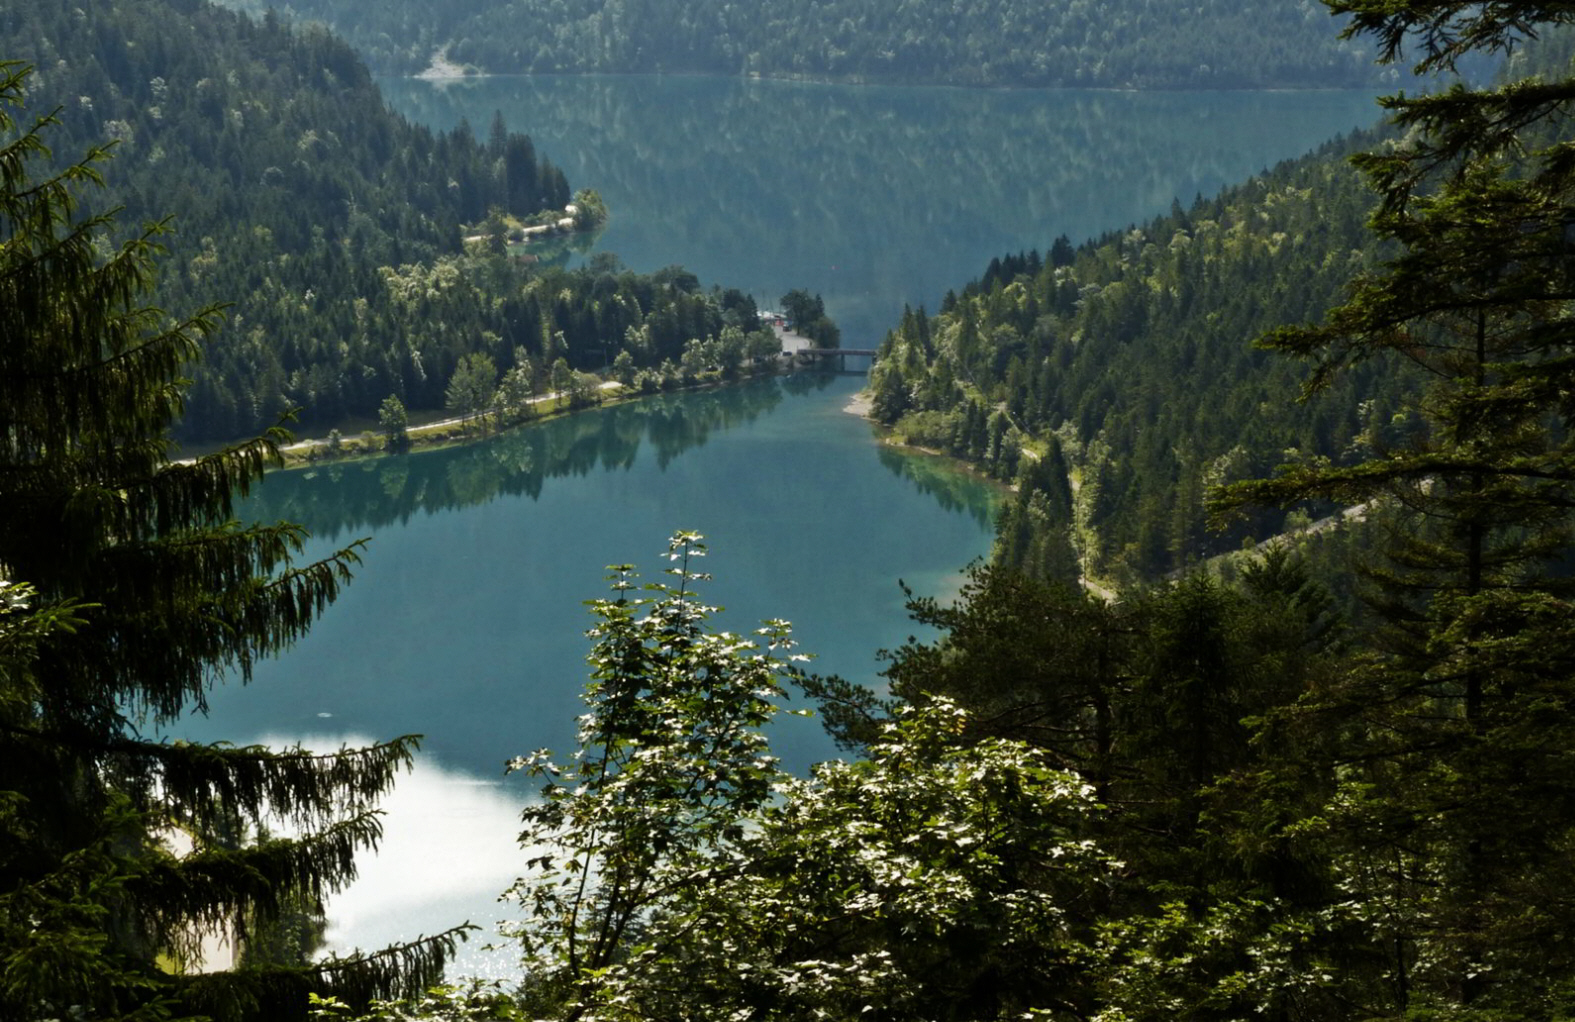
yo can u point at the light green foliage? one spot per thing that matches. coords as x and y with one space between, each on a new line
623 368
677 873
562 377
729 351
473 385
24 624
584 390
1222 957
935 880
418 286
693 364
473 1002
513 397
395 421
671 763
590 210
762 345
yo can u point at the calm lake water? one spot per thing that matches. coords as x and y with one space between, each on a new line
875 196
466 621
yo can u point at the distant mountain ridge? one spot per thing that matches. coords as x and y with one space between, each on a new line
1123 44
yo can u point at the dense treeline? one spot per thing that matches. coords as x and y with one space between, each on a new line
1127 364
290 181
228 120
334 227
1131 44
1117 382
405 331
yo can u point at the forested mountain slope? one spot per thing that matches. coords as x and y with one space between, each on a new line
1118 383
331 224
1128 362
1110 44
1203 801
289 179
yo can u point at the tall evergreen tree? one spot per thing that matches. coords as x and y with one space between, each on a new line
115 850
1457 806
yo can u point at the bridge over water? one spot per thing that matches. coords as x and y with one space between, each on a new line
840 354
797 344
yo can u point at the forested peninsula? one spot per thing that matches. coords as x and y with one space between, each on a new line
1124 364
1119 44
333 230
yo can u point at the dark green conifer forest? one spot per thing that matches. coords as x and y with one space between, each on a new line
1126 364
1129 778
330 228
1128 44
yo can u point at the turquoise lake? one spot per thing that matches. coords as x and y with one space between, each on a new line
466 621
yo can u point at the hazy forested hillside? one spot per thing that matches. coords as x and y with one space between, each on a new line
1117 381
1113 44
1128 361
330 224
289 180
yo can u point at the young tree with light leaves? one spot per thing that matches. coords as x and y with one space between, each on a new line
671 762
395 422
939 879
515 391
472 387
677 873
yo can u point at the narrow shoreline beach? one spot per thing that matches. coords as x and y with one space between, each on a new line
859 405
